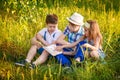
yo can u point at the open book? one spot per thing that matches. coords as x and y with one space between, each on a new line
51 50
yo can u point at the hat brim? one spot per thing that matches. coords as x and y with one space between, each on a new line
74 22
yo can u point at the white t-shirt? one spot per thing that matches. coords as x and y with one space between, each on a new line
50 37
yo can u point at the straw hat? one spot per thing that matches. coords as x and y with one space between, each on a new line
76 19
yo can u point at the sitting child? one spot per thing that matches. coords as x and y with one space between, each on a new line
73 31
46 36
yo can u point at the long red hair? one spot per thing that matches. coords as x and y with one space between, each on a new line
94 31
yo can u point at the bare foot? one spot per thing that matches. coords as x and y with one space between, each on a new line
78 59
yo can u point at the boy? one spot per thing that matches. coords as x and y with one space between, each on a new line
73 32
46 36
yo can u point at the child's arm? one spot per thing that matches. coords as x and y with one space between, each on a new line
89 46
70 45
34 41
95 47
74 43
40 38
61 40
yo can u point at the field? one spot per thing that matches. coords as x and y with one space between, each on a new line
20 20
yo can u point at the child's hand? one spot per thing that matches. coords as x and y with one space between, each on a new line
45 43
90 46
37 44
59 48
33 41
86 45
54 42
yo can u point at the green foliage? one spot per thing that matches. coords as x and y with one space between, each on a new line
20 20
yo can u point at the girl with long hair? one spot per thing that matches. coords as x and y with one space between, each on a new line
93 41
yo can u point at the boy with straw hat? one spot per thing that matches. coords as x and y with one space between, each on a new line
73 32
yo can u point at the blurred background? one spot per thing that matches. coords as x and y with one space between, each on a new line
20 20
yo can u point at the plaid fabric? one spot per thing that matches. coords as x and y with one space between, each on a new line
72 37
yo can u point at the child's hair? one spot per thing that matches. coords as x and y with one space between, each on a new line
94 31
51 18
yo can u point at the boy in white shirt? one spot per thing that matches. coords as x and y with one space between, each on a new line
46 36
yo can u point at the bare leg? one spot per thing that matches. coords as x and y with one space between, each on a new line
42 58
31 53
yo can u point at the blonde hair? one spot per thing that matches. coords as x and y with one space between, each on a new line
94 31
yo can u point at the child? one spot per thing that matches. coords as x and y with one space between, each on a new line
73 32
46 36
94 39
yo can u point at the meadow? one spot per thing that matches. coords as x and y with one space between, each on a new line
20 20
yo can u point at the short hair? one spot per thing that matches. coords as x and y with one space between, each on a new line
51 18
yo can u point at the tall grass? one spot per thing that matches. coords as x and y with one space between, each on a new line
21 20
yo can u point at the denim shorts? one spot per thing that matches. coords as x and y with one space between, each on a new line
40 50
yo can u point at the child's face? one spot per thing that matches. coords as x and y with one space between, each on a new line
73 27
86 31
51 27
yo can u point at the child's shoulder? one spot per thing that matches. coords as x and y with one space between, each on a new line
43 29
58 31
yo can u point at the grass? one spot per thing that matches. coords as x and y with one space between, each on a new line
19 22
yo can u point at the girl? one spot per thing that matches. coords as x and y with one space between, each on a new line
94 40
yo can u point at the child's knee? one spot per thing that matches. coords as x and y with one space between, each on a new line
34 46
95 54
33 40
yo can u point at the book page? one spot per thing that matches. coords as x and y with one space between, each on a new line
51 50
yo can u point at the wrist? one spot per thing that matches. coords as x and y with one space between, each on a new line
63 46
